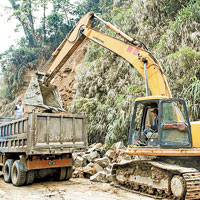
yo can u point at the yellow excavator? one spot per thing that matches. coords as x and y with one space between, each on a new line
167 159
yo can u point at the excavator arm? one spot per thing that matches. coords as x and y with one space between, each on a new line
131 50
136 56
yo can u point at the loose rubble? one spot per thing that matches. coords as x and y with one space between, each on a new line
96 164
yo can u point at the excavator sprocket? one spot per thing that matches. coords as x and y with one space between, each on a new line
158 179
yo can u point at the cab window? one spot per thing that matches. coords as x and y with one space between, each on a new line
174 128
143 116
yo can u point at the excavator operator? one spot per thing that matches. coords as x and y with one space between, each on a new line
154 127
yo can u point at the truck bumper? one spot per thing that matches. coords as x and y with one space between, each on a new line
43 164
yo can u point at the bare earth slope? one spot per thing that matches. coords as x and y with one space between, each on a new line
66 77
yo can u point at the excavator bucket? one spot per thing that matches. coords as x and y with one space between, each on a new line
40 95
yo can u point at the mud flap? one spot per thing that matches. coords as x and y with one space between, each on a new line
40 95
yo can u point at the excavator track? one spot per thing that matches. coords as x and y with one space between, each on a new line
158 180
137 192
193 185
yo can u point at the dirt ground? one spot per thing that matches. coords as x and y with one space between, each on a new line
74 189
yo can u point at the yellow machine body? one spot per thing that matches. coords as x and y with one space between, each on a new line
195 130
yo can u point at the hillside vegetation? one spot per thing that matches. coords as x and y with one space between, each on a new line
107 85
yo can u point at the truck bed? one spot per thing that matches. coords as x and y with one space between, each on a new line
44 133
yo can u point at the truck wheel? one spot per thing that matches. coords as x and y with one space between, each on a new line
60 174
30 175
69 173
7 170
18 176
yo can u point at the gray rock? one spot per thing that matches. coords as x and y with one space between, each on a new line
91 169
75 155
109 177
108 169
86 156
99 177
77 173
94 147
81 153
102 176
117 147
110 154
103 162
78 162
93 155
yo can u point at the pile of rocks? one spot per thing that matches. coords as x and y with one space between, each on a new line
96 164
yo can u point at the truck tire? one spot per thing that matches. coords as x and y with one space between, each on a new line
7 170
69 173
60 174
18 176
30 175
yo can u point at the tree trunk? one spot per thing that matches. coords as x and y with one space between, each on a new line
30 18
44 21
26 23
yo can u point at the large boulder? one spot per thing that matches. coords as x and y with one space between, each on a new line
75 155
86 156
109 177
91 169
77 173
101 176
103 162
111 154
117 147
92 156
95 147
78 162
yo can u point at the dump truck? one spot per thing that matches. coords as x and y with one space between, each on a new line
40 146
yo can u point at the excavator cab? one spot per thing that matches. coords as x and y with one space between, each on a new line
172 127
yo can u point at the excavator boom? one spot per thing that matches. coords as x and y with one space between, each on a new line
42 93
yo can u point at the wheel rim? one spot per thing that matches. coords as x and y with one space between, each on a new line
14 174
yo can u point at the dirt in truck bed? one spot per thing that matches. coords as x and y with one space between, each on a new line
74 189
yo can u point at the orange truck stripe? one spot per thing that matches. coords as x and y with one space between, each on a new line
42 164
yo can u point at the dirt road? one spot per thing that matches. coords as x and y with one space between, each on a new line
75 189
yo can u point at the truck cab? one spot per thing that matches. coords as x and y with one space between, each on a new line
173 127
